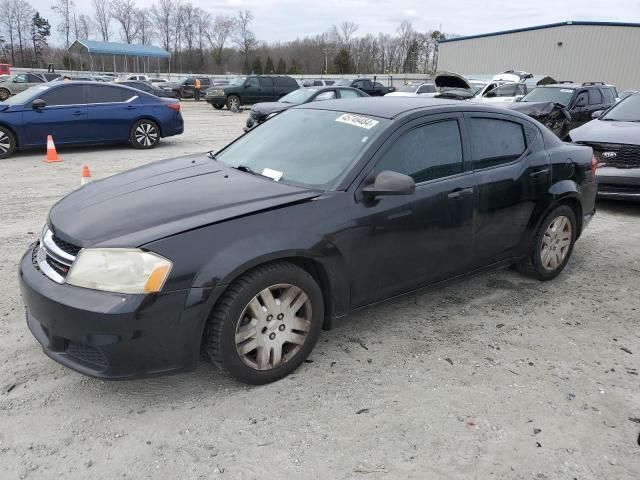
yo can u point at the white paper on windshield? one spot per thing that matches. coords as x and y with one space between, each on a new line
566 90
272 174
357 121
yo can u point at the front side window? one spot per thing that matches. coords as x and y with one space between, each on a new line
252 82
332 142
67 95
426 153
495 141
325 96
582 100
427 89
22 78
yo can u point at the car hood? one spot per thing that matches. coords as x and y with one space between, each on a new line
447 80
603 131
267 108
162 199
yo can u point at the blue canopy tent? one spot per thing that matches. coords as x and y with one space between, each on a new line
114 49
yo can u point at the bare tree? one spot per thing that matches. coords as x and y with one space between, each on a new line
8 14
162 14
102 17
203 22
124 13
244 38
81 26
223 27
23 15
64 8
188 17
144 24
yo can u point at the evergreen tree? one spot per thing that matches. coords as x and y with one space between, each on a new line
342 61
269 68
256 67
282 67
40 31
294 68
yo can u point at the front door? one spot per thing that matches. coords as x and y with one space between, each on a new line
64 117
404 242
513 176
580 110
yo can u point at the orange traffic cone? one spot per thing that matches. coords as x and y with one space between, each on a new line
86 175
52 154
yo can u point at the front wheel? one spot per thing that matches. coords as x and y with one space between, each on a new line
144 134
7 142
217 106
553 245
266 323
233 101
4 94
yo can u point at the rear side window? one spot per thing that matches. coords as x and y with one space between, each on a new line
595 97
108 94
426 153
285 82
266 81
495 142
426 89
35 79
67 95
348 94
329 82
608 96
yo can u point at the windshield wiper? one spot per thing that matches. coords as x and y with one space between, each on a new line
244 168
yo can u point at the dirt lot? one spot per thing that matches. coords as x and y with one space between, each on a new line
494 377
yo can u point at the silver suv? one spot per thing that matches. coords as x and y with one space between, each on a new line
19 82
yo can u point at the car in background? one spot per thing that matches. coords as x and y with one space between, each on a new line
246 254
260 112
411 89
19 82
5 69
580 100
142 78
614 136
624 94
317 82
158 80
149 88
86 113
370 87
186 87
250 89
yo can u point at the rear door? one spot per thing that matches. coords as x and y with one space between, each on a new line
513 176
111 112
64 117
407 241
267 90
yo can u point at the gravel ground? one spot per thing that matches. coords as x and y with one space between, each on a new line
494 377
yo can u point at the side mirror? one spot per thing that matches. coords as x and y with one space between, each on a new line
390 183
597 114
38 103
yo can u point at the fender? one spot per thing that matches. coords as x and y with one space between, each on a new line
564 188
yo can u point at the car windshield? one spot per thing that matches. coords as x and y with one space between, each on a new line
408 88
333 141
298 96
627 110
550 94
239 81
25 95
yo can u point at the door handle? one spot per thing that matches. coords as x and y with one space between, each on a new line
539 173
460 193
131 107
77 113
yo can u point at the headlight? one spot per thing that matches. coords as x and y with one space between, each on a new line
119 270
215 93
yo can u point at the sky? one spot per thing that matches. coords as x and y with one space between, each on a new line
283 20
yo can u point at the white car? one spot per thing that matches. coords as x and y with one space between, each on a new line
411 89
158 80
142 78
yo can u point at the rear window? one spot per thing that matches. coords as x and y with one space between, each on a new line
495 141
108 94
608 96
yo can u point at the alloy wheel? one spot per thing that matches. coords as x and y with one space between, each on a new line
556 243
5 142
146 134
234 102
273 326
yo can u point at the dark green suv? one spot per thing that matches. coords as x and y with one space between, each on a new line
249 90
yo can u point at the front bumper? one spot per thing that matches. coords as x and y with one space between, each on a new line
618 183
110 335
215 99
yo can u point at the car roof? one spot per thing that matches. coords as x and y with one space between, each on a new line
391 107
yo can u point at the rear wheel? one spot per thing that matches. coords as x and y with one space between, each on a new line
266 323
233 101
7 142
552 246
217 106
4 94
144 134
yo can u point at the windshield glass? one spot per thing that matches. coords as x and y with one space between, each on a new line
298 96
239 81
408 88
332 141
550 94
628 110
25 95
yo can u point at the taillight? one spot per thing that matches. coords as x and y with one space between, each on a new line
173 106
594 165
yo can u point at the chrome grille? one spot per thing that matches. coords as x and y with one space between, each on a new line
618 155
55 257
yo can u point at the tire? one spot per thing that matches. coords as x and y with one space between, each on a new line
4 94
263 352
233 100
553 245
217 106
144 134
178 95
7 143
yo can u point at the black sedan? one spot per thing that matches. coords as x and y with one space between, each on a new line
149 88
615 138
327 208
262 111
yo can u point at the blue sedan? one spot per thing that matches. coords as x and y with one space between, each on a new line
86 113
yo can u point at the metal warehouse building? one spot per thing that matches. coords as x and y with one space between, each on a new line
577 51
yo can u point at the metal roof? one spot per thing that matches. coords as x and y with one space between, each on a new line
113 48
541 27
